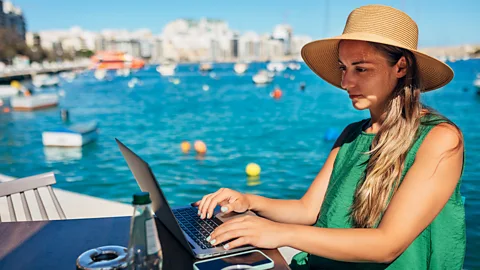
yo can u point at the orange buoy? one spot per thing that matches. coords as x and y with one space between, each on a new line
6 110
200 147
277 93
185 146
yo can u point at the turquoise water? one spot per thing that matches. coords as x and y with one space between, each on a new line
239 122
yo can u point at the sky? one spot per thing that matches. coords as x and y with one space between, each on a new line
440 22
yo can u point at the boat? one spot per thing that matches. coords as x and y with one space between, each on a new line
476 83
7 91
276 66
68 76
44 80
115 60
34 102
75 135
262 77
240 68
123 72
167 69
293 66
205 67
100 74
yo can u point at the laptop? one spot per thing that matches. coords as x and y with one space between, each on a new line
183 222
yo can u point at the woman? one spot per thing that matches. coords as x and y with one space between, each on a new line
388 195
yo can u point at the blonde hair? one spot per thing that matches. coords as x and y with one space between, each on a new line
389 150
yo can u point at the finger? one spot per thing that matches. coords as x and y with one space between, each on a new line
206 203
231 206
197 203
220 197
242 241
224 228
241 219
228 236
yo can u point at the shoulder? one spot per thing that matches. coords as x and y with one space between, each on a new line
443 138
349 130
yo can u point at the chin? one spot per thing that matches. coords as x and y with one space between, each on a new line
359 106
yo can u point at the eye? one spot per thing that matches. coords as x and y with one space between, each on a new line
342 68
359 69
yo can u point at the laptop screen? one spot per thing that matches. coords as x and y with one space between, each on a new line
147 182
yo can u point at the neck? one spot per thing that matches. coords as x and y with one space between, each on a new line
377 118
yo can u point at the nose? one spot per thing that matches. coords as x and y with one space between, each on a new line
348 80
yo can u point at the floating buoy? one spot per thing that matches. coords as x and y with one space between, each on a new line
277 93
302 86
6 110
205 87
200 147
253 169
176 81
185 146
331 134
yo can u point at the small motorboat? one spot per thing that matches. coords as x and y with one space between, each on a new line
206 67
75 135
167 69
293 66
262 77
7 91
34 102
240 68
276 66
44 80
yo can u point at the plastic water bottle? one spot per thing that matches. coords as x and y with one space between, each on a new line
144 251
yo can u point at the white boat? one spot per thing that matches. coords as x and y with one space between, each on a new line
206 67
34 102
276 66
167 69
293 66
240 68
44 80
72 136
262 77
7 91
68 76
100 74
476 83
123 72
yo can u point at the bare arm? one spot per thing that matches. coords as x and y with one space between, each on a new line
425 190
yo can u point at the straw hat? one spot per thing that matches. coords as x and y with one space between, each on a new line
380 24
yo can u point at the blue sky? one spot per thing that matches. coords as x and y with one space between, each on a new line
441 22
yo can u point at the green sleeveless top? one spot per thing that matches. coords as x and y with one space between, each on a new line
440 246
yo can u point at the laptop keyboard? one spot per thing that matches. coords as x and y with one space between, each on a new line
198 229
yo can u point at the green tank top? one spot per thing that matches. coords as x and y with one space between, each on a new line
440 246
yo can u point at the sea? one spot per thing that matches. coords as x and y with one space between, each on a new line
239 121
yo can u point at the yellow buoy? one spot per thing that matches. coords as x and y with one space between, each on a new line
185 146
15 84
200 147
252 169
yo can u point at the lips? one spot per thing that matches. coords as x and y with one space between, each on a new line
354 96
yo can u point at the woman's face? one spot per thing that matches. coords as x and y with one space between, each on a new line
366 74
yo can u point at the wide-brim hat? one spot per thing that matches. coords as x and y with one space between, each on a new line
380 24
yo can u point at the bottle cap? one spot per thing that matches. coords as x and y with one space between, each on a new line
141 198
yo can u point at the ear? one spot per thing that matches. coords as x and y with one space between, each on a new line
401 67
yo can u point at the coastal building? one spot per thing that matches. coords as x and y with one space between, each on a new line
11 17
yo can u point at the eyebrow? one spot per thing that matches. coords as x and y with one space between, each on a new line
356 63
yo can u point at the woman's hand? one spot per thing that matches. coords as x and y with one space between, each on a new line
230 200
249 230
